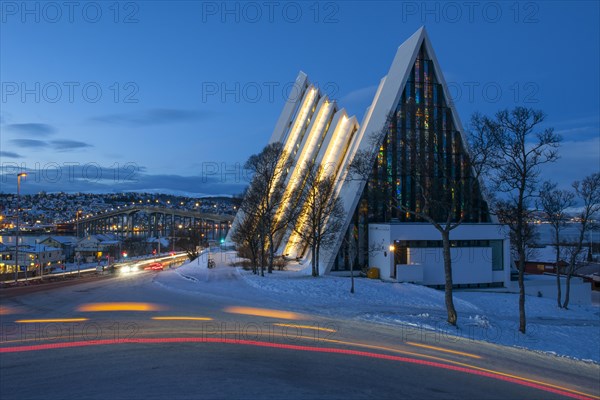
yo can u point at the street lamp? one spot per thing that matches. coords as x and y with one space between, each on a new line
39 256
19 176
77 214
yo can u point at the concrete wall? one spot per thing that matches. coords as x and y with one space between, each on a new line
379 256
470 265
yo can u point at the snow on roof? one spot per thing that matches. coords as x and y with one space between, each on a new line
37 248
61 239
163 241
64 239
105 242
106 236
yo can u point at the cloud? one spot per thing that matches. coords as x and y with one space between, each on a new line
58 144
578 159
9 154
577 129
590 119
190 184
65 144
30 143
359 95
93 178
574 131
157 116
32 129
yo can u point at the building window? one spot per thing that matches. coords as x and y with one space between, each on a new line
497 255
422 151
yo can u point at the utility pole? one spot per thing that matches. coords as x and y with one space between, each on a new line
173 232
19 176
40 258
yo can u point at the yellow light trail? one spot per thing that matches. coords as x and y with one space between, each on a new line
263 312
182 318
49 320
343 342
460 353
98 307
398 351
491 371
316 328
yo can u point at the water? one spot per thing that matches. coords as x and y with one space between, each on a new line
569 233
9 240
545 235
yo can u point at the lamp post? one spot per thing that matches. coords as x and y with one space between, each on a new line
173 232
39 255
19 176
392 249
77 214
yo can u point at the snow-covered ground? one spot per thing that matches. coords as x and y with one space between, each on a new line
416 310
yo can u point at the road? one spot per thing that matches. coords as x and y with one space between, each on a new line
132 337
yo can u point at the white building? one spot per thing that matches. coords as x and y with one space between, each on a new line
31 257
92 248
412 252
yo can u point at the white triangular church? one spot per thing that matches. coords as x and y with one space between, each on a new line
412 105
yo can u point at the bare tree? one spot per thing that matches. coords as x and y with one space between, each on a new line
371 249
429 210
269 168
245 233
437 203
190 242
519 153
554 203
363 162
588 192
321 218
361 169
482 149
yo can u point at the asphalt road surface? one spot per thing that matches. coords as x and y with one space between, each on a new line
129 337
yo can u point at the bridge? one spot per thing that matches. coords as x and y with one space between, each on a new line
151 221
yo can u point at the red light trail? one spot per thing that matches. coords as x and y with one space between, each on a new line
49 346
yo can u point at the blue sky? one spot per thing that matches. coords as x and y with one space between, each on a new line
150 95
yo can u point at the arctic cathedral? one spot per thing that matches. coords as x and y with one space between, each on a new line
417 140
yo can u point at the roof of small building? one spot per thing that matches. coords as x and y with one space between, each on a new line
64 239
37 248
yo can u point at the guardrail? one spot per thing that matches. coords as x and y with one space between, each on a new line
164 258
